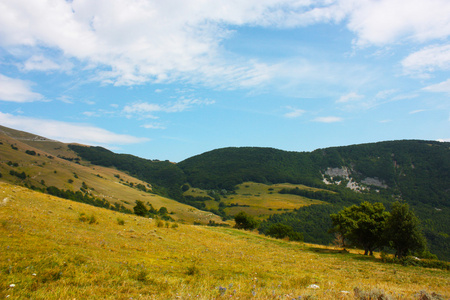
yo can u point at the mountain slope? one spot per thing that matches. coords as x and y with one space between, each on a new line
417 172
32 161
50 251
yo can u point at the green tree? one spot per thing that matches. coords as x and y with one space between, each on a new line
163 211
281 231
363 225
403 231
140 209
245 221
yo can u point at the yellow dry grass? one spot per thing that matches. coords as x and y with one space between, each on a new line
263 200
48 253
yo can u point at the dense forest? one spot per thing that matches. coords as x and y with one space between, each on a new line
413 171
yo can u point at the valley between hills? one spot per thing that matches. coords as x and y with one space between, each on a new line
92 245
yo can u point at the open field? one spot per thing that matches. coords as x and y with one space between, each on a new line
53 248
259 199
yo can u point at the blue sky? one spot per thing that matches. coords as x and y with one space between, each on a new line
172 79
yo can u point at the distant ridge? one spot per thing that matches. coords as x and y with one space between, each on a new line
23 136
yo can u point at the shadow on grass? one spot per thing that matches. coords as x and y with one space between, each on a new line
328 251
359 257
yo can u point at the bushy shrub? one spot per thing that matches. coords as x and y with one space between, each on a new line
245 221
120 221
86 219
281 231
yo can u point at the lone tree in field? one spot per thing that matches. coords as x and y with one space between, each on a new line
140 209
363 225
403 232
245 221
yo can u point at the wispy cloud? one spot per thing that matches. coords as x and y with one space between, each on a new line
416 111
16 90
44 64
350 97
154 126
355 102
443 87
330 119
293 112
147 110
68 132
427 60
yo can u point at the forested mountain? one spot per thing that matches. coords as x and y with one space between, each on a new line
417 171
227 167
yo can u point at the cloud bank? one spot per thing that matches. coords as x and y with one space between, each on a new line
140 41
68 132
16 90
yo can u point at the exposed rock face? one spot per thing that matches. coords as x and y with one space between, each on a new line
342 172
375 182
345 173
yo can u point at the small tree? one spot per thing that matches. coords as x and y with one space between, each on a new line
403 232
140 209
163 211
362 225
245 221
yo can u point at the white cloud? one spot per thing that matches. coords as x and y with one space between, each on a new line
154 126
41 63
294 112
429 59
90 114
329 119
443 87
416 111
68 132
350 97
388 21
16 90
139 41
147 109
142 107
134 42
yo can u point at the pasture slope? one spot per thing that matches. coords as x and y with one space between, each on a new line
53 248
46 163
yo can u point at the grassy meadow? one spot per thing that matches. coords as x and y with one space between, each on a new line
258 199
52 248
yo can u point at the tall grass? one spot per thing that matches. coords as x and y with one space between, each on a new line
47 253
